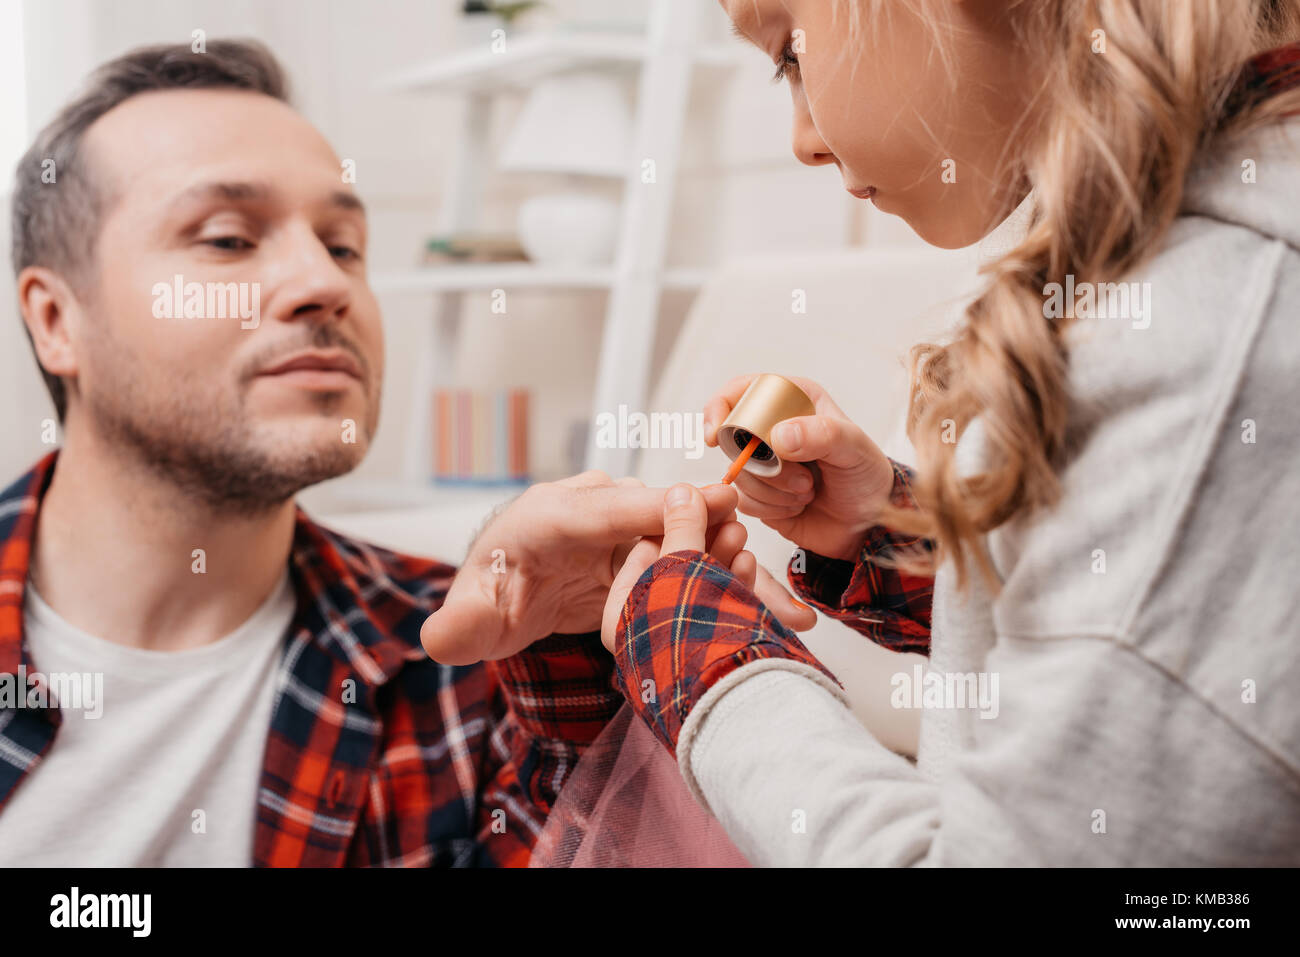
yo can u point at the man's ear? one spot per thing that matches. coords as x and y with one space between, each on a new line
51 312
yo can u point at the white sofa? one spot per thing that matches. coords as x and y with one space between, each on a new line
865 307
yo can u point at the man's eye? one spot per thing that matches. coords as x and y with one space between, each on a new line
788 66
229 243
344 252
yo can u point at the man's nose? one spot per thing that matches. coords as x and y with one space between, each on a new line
307 281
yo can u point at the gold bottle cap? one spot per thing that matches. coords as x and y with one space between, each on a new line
769 399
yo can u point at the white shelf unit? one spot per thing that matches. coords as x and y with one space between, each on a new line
529 58
477 277
663 59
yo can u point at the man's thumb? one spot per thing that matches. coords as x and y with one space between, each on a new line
466 629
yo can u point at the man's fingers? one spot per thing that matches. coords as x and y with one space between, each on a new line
614 513
685 519
591 477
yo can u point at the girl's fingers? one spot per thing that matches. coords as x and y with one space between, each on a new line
794 477
837 442
728 542
618 556
642 556
719 406
685 519
767 512
793 613
763 491
745 567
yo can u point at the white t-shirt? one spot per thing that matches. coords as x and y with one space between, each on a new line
168 774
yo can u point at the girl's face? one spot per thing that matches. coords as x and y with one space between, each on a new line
932 142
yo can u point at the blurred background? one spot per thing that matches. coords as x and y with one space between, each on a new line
574 206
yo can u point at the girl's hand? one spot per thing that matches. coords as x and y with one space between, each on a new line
827 504
686 527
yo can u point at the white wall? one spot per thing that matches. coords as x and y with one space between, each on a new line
739 186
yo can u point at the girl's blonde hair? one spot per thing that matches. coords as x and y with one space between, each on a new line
1105 168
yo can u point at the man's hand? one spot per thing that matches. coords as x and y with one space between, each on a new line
544 564
685 528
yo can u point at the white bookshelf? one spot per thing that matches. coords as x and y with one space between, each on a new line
662 60
530 58
523 62
482 276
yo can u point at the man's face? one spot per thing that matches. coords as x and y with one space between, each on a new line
220 187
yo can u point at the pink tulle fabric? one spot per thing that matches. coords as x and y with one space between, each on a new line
626 805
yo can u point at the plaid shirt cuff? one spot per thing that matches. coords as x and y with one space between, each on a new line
560 688
688 624
884 604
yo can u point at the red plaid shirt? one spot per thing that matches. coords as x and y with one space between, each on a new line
882 603
689 622
424 764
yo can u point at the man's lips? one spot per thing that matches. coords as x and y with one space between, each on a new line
865 193
316 365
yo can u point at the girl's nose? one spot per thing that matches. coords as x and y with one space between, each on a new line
808 145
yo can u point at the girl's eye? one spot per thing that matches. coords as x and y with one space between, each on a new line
788 66
229 243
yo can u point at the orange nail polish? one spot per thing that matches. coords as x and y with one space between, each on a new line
741 459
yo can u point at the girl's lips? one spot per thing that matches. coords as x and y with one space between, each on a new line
863 193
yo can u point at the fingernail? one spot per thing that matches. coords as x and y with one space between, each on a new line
801 483
788 434
678 495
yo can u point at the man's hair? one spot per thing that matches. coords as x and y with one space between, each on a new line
56 224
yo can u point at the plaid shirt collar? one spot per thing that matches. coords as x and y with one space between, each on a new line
330 580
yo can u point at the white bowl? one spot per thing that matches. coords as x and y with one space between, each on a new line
569 229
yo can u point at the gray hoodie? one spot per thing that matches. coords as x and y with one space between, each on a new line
1141 665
